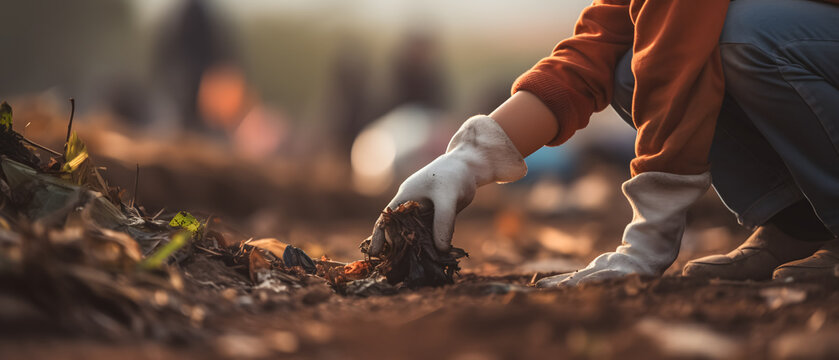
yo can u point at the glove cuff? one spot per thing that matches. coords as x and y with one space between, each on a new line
490 154
665 192
659 204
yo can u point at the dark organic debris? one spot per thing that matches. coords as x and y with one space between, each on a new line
87 261
11 143
338 273
412 257
289 256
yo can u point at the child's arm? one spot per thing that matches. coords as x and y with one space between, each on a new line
527 121
551 101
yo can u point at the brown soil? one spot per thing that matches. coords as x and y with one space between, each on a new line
489 312
479 317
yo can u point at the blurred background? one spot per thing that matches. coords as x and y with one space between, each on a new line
299 118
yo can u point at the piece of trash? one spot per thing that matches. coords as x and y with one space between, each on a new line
186 221
77 167
777 297
414 260
290 256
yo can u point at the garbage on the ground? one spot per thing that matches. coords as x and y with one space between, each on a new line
74 249
411 256
84 258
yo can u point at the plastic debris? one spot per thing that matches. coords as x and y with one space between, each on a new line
289 255
186 221
77 166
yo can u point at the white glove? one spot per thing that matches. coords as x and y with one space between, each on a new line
479 153
651 241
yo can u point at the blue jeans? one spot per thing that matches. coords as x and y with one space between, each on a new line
777 137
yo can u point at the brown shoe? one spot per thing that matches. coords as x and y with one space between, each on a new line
821 264
755 259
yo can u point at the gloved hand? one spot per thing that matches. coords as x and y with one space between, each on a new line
651 241
479 153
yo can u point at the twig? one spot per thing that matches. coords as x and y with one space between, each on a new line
39 146
208 250
70 124
206 226
136 186
158 214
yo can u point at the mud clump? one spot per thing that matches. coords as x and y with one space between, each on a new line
410 256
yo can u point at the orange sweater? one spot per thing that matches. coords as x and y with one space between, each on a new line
679 83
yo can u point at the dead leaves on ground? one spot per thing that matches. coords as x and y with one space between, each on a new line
82 257
410 256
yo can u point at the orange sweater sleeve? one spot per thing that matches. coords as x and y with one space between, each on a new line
679 82
577 78
679 85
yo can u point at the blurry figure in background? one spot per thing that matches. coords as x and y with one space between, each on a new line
191 44
201 81
261 133
418 75
227 103
349 96
406 133
223 97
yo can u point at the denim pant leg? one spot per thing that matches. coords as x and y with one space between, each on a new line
781 63
747 173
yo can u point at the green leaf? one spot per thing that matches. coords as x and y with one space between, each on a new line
158 258
186 221
5 116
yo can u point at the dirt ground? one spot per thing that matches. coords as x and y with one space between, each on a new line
483 317
490 312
